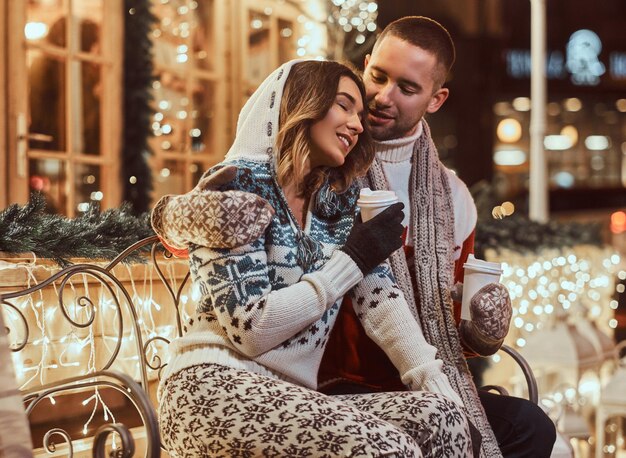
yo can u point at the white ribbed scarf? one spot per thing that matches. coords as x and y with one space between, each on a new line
432 220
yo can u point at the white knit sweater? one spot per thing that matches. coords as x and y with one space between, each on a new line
395 158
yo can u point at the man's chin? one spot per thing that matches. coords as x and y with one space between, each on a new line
382 133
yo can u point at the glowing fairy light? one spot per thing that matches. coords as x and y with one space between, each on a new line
57 349
543 286
354 15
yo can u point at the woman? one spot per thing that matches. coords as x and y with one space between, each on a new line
242 381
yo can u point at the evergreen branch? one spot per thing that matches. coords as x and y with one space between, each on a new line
93 235
520 234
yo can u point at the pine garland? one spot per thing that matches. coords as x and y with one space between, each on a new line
137 111
92 235
518 233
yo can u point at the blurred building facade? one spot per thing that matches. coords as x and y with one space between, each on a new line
61 89
483 128
61 70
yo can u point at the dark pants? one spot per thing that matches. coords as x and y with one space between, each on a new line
521 427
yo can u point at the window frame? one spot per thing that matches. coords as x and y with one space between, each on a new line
111 60
217 144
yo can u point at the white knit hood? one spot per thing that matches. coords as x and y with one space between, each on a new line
257 125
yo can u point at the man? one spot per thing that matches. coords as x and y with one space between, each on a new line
404 79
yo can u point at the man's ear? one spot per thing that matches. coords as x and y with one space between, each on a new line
437 100
367 60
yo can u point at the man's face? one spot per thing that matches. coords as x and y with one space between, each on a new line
400 84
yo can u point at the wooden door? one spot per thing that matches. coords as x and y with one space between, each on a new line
64 100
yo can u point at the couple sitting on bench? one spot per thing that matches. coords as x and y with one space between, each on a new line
316 335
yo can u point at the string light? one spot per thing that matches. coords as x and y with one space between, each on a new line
547 286
79 348
551 283
357 17
309 34
557 277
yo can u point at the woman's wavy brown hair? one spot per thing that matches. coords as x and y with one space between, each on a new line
310 91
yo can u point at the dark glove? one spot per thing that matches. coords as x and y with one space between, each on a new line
491 311
372 242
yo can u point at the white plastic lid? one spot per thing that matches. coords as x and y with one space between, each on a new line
368 196
483 266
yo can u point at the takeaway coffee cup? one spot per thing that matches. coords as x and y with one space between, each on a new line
478 273
372 203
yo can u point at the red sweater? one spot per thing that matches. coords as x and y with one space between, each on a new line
351 357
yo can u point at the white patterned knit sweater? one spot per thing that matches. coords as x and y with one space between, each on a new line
262 309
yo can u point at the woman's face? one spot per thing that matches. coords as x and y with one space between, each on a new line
334 136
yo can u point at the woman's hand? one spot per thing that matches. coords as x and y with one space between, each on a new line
211 218
372 242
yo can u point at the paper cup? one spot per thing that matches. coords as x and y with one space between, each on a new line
478 273
372 203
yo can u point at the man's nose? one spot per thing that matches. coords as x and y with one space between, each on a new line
383 97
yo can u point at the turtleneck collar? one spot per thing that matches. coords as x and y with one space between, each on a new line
398 149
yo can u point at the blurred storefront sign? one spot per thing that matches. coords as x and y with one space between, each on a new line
580 61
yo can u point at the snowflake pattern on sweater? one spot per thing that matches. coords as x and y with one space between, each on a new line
259 302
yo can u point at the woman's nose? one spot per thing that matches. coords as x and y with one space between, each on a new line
355 124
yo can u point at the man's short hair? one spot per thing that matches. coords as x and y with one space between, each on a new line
425 33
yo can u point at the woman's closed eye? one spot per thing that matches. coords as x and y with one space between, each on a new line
349 104
345 103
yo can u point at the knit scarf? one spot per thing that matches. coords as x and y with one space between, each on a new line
432 220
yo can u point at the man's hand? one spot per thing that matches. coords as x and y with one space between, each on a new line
211 218
457 292
491 311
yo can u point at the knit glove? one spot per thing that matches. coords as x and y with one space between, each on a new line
210 218
491 311
371 242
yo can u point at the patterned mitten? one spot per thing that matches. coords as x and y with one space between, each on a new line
209 218
491 311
